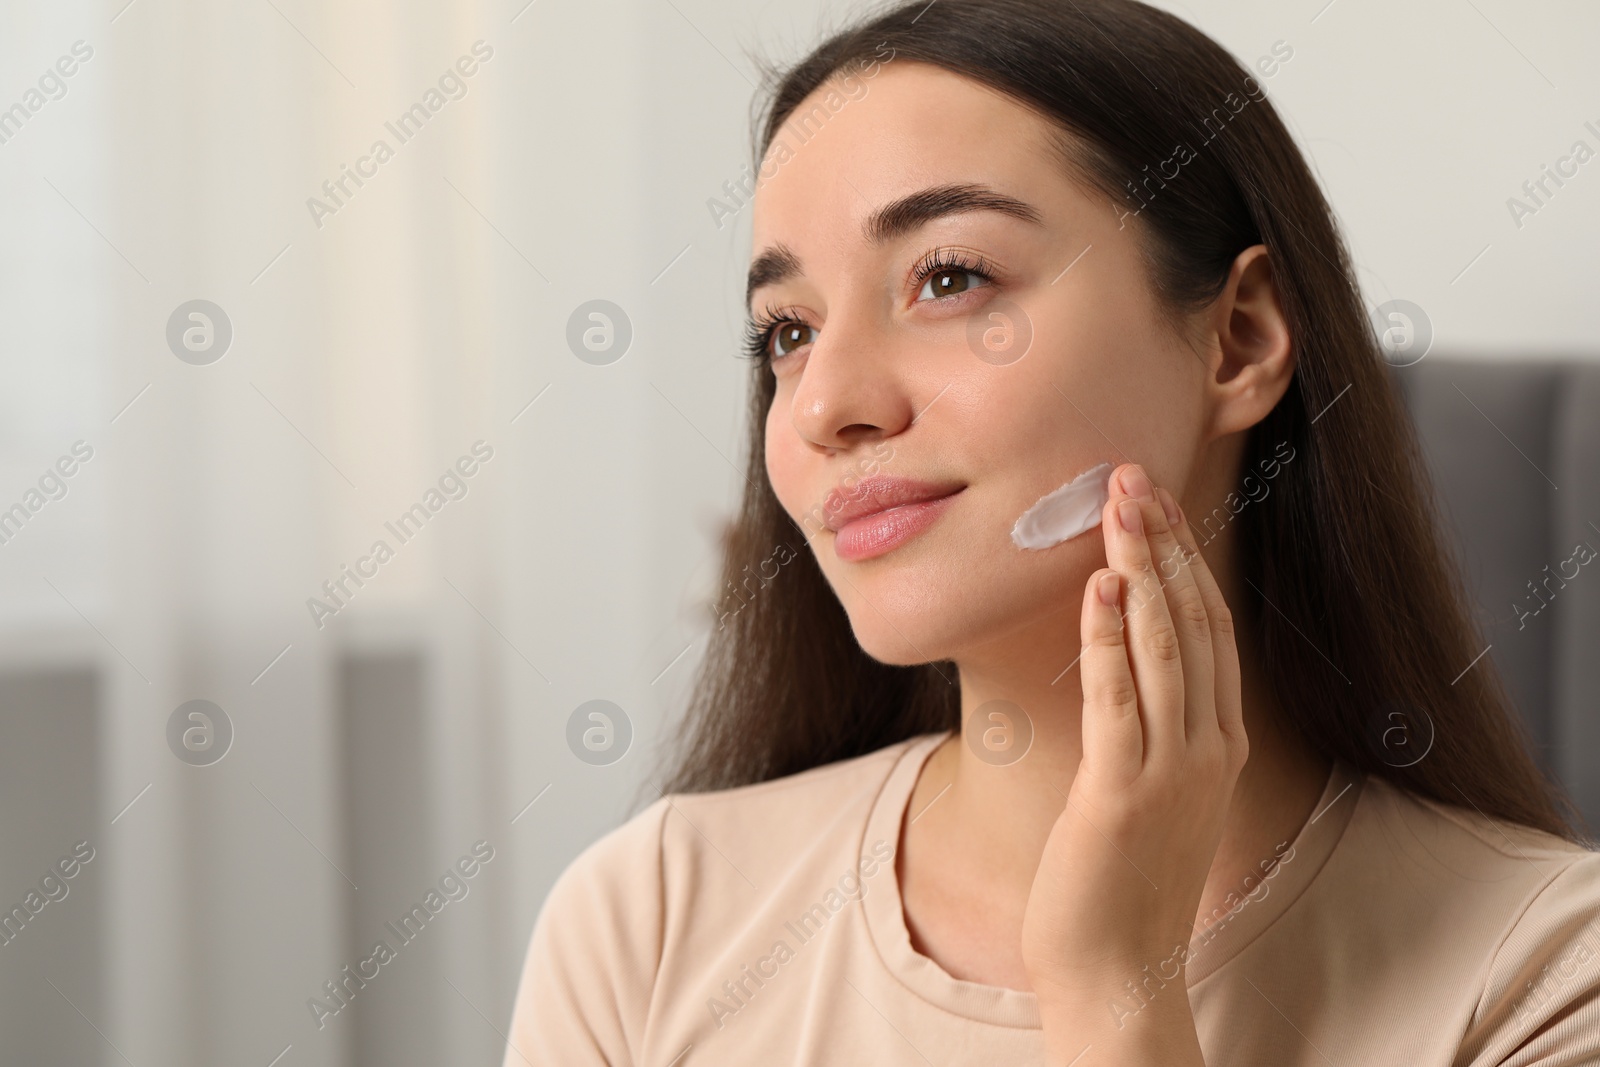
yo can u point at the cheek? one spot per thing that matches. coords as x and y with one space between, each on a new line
1116 377
1152 406
783 460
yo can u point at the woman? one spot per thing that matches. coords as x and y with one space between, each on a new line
1204 768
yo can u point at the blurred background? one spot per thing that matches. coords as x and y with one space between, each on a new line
241 345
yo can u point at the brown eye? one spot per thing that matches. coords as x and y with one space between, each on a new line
789 336
949 283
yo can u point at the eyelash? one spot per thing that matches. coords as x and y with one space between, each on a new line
758 328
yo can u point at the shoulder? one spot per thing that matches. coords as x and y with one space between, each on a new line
1541 1001
653 895
1454 855
1458 842
754 822
592 959
1529 904
759 824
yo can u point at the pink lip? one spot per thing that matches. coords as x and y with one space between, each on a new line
883 531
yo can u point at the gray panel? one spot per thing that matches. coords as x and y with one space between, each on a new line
1486 429
1577 605
50 792
390 830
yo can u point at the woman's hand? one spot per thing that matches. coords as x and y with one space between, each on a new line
1114 901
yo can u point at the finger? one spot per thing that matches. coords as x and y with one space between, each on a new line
1152 640
1113 739
1184 603
1225 651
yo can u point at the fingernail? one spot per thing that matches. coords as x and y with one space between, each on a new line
1137 484
1128 515
1170 506
1106 589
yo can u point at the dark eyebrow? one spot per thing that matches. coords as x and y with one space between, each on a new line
769 268
895 219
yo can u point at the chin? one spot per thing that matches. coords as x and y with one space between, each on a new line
903 623
900 621
883 644
906 634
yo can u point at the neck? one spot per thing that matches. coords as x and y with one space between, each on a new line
985 802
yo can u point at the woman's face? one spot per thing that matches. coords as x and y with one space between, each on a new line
886 369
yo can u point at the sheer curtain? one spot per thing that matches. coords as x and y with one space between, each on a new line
382 358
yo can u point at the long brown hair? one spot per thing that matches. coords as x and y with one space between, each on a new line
1368 619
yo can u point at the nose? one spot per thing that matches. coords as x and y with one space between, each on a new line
851 389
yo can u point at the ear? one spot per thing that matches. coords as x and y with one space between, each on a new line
1249 331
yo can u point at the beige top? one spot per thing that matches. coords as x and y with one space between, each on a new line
762 925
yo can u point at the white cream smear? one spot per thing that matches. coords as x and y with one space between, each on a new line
1065 512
